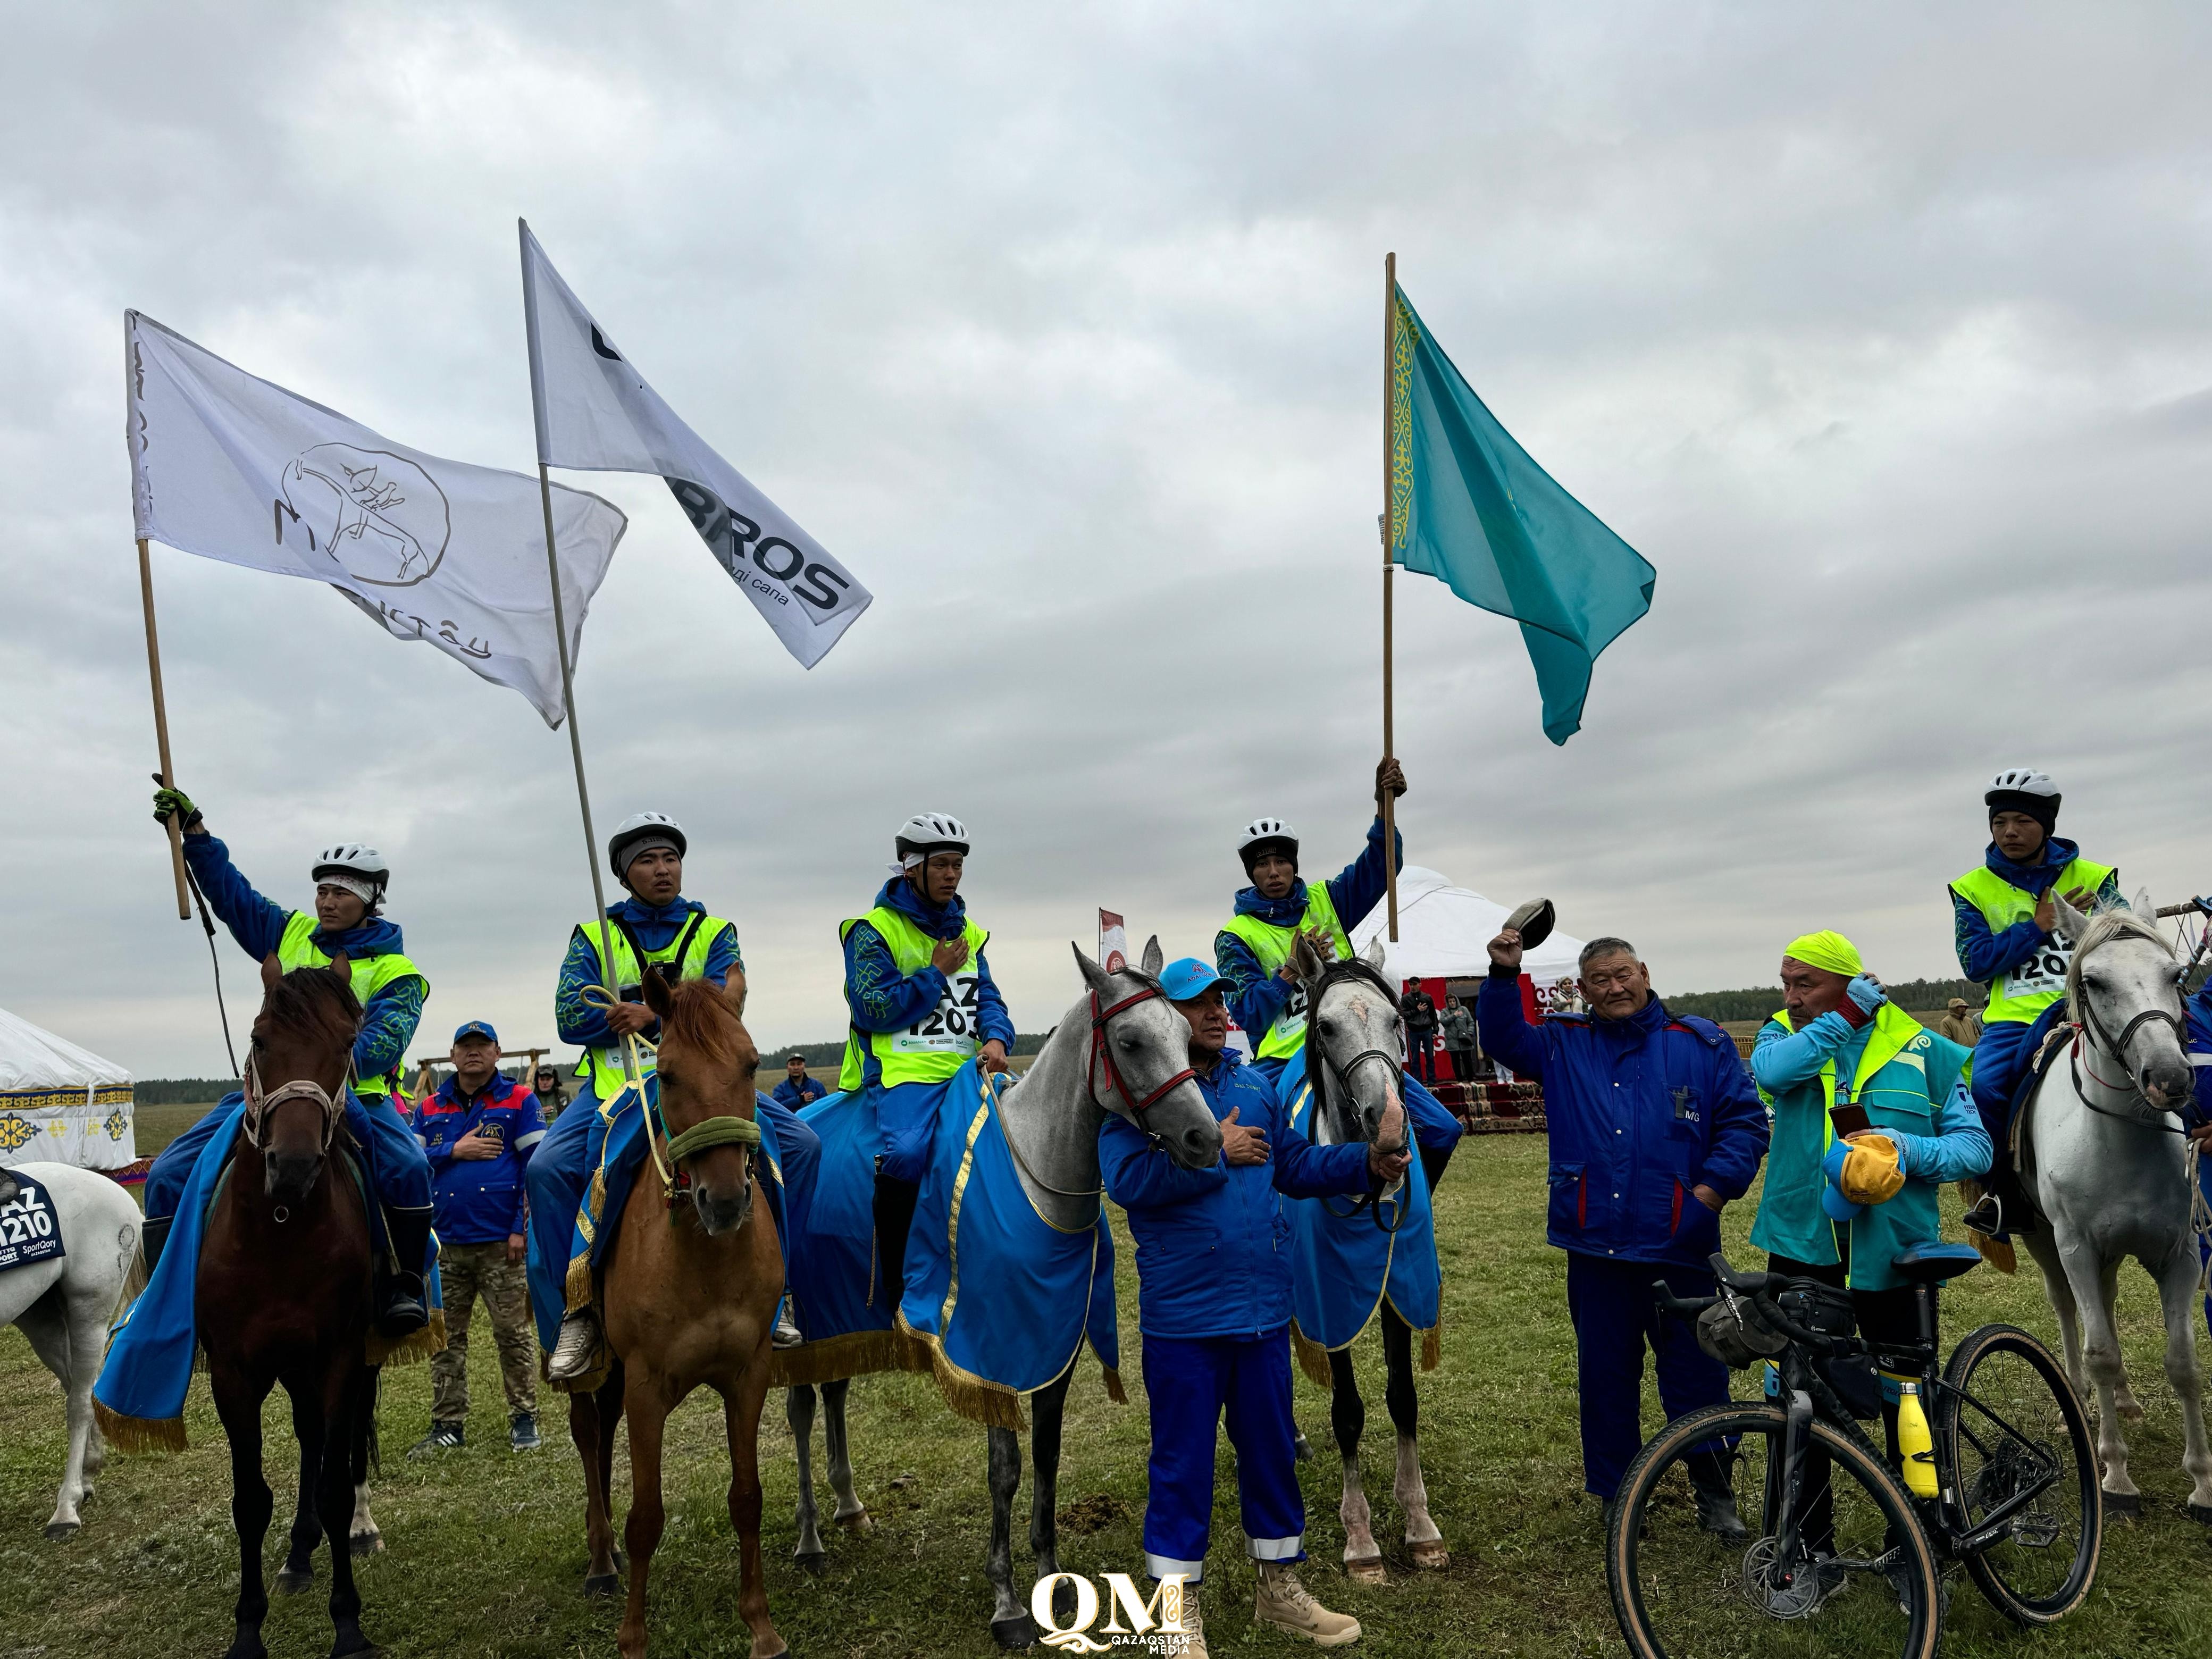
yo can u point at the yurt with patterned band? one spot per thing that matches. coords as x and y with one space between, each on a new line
60 1103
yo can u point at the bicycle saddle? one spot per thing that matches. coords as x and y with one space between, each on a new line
1931 1264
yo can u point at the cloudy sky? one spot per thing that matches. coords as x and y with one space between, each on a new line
1880 330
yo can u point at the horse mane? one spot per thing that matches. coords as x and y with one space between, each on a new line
2107 923
700 1015
319 1000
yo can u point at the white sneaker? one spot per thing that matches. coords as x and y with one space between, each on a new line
574 1353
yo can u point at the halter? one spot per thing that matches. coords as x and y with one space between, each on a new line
258 1104
2090 1026
1100 1050
725 1130
1318 1078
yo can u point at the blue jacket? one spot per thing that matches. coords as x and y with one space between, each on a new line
480 1200
387 1024
1640 1111
1255 996
656 926
1982 955
2200 1057
1212 1244
882 999
799 1094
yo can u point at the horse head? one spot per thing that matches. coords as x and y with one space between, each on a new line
1140 1065
298 1064
705 1067
1355 1042
2124 986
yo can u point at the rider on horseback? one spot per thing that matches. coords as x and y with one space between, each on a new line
349 884
922 1001
2006 930
569 1211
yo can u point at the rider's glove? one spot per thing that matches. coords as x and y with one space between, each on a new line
169 802
1860 998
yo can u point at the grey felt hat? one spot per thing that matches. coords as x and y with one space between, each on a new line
1534 921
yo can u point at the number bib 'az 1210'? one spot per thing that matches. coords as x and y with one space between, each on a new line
29 1231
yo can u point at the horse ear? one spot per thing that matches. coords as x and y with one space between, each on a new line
341 965
1305 961
2143 906
1154 958
1374 954
271 971
1093 975
657 996
733 987
2071 922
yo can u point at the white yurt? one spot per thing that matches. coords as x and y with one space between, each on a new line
1444 932
60 1103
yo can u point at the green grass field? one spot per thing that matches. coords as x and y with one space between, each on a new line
486 1548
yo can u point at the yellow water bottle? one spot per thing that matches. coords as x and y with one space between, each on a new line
1915 1444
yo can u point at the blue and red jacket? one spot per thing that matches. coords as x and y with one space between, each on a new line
480 1200
1640 1111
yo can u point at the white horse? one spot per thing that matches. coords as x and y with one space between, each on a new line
65 1304
2106 1164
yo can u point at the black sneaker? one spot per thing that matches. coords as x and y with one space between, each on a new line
443 1436
522 1432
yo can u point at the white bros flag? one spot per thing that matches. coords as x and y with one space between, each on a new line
596 413
231 467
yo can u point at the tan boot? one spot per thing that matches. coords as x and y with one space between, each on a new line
1194 1630
1285 1603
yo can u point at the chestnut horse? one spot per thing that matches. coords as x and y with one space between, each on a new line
282 1290
691 1298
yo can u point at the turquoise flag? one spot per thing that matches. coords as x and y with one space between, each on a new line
1469 507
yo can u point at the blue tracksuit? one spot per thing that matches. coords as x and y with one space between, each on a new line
480 1200
1254 996
1214 1308
881 999
2003 1049
2200 1055
1639 1111
799 1094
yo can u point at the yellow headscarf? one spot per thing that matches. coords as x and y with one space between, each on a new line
1827 949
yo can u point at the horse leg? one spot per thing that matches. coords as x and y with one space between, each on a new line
2124 1394
1010 1619
46 1324
647 1409
1348 1416
2091 1283
741 1414
362 1536
852 1514
1047 1412
298 1572
799 1411
2060 1291
592 1420
344 1397
239 1405
2176 1289
1406 1485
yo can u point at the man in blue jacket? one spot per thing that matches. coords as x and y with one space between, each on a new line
1214 1310
478 1131
798 1091
1654 1126
2198 1119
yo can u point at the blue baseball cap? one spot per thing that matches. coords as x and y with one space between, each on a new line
478 1028
1187 977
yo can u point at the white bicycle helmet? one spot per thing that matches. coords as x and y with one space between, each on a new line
930 832
2022 781
1259 832
639 832
354 865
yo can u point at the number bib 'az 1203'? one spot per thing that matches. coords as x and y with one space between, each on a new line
28 1230
949 1028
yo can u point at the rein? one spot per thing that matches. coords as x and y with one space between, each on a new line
1100 1050
1317 1079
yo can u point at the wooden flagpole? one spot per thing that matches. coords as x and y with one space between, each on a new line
1390 736
161 727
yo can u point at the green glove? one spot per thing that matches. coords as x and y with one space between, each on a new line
169 802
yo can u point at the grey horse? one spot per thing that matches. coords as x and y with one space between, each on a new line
1355 1022
1053 1116
2106 1165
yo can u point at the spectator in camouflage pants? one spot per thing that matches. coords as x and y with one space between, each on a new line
479 1131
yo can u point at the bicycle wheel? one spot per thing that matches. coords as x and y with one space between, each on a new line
2007 1417
1861 1578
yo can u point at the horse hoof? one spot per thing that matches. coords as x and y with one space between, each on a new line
2200 1513
598 1584
2122 1505
57 1530
1367 1570
1431 1556
816 1563
859 1523
289 1582
365 1544
1015 1633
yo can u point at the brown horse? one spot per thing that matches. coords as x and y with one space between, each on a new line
282 1293
691 1298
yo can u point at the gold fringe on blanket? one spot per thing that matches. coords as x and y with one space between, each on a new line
856 1354
1313 1359
139 1434
408 1350
577 1288
1432 1345
991 1404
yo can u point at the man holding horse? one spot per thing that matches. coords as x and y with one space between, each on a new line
2006 931
1214 1310
583 1168
1654 1127
922 1003
346 925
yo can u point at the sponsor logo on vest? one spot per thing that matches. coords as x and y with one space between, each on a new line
1153 1627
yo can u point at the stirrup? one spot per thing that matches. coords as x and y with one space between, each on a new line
1986 1216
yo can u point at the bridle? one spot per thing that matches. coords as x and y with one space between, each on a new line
1318 1077
259 1105
1102 1051
2089 1026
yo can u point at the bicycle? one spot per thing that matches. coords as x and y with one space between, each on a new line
1837 1555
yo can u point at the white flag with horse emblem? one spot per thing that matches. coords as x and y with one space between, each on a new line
596 413
231 467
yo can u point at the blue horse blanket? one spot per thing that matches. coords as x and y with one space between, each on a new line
1343 1269
997 1301
139 1398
